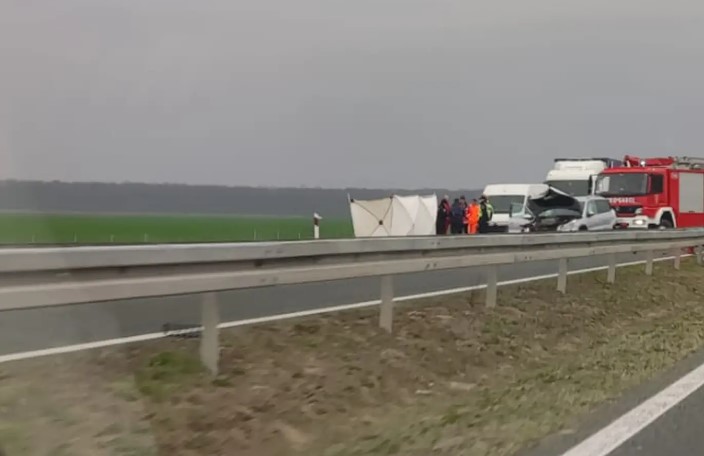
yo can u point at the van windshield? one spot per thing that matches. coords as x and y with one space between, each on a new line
571 187
502 203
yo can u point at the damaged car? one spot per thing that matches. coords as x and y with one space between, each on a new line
550 209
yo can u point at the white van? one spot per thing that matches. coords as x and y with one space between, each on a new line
502 196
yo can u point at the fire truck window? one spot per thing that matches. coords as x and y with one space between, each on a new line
656 183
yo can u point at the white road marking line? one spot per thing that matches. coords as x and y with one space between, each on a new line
231 324
79 347
621 430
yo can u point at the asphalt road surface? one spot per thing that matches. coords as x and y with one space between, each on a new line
35 329
660 417
677 432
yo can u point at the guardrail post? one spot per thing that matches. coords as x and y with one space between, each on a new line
492 274
611 274
649 262
209 345
386 316
562 276
699 251
678 258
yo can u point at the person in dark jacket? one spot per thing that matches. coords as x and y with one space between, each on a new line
465 222
442 223
485 213
457 217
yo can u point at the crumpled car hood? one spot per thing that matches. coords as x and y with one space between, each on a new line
553 203
548 209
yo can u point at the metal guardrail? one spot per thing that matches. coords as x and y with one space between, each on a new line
53 276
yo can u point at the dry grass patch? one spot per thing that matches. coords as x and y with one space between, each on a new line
71 406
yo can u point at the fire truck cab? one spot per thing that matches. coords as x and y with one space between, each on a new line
652 193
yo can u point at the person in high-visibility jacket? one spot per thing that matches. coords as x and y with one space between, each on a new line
473 214
486 212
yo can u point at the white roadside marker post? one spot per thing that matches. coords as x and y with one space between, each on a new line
316 225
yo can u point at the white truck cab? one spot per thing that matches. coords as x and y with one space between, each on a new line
576 176
502 196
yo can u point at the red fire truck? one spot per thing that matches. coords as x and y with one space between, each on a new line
651 193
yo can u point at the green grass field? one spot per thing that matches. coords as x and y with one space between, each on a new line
99 229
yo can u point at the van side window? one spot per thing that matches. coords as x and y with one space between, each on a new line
657 183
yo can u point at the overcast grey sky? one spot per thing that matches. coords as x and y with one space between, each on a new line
390 93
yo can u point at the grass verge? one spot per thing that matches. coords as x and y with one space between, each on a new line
453 379
86 229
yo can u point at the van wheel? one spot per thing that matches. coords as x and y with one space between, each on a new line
582 228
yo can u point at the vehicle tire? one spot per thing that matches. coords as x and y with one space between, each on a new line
665 224
582 228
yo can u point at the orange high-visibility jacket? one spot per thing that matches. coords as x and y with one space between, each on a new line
473 212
